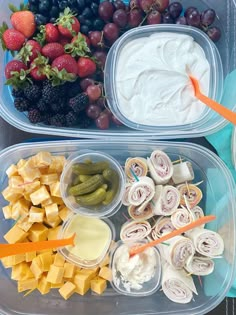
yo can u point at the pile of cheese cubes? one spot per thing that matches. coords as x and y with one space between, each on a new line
35 203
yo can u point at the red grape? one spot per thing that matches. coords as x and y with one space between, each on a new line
208 17
181 20
93 111
106 10
214 33
96 39
101 102
94 92
189 10
161 5
111 32
135 18
193 18
119 4
120 18
116 121
175 9
154 17
85 83
167 18
134 4
107 112
103 122
101 57
146 5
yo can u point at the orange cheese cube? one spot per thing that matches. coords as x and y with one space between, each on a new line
36 267
21 272
67 290
53 233
105 273
82 284
38 232
29 284
44 286
55 189
49 179
64 213
69 270
10 194
39 195
105 261
46 261
15 235
7 212
24 224
59 260
12 170
30 256
51 212
55 274
98 285
36 214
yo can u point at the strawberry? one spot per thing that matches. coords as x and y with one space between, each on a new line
63 40
53 50
65 62
24 22
14 65
51 33
39 68
37 74
86 67
13 39
30 51
68 25
78 46
84 36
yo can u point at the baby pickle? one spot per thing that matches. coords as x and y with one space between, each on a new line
83 178
90 169
112 178
93 198
88 186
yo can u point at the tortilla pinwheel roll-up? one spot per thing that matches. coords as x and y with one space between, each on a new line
182 172
207 243
190 193
162 226
200 266
137 166
143 212
135 231
141 191
125 199
166 200
160 167
198 213
182 217
177 250
177 285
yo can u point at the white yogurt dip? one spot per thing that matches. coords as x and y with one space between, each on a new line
152 82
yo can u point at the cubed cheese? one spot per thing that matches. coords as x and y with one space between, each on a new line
38 232
29 284
105 273
67 290
10 194
51 212
7 212
41 159
58 200
46 261
28 172
49 179
44 286
57 164
53 233
98 285
6 262
21 272
30 256
17 259
53 223
21 207
55 274
15 235
57 285
105 261
90 273
55 189
12 170
24 223
17 183
36 214
64 213
39 196
36 267
59 260
46 202
82 284
31 187
21 163
69 270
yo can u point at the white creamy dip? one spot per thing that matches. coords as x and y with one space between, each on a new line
153 87
136 270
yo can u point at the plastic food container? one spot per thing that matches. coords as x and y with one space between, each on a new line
74 258
219 200
66 180
225 20
211 53
148 288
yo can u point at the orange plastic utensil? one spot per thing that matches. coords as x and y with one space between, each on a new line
22 248
138 249
220 109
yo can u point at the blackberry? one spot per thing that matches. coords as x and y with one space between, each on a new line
21 104
59 107
71 119
58 120
51 94
72 88
17 92
34 116
32 92
46 118
42 106
83 120
79 102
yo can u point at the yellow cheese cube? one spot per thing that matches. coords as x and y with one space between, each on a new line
59 260
21 272
38 232
39 196
29 284
17 183
98 285
24 223
53 233
28 172
57 285
7 212
46 202
30 256
6 262
105 261
46 261
69 270
57 164
55 189
21 207
36 267
43 251
44 286
44 170
67 290
51 212
41 159
90 273
10 194
21 163
31 187
12 170
16 259
55 274
15 235
82 285
36 214
49 179
105 273
64 213
58 200
53 223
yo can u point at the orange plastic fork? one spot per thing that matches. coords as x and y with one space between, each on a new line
220 109
22 248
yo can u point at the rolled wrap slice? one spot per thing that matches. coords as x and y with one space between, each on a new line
166 200
207 243
191 193
160 167
182 217
135 231
163 226
200 266
138 165
178 251
198 213
143 212
182 172
125 199
177 285
141 191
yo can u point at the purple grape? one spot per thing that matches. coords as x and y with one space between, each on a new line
181 20
189 10
214 33
208 17
146 5
101 57
119 4
134 4
106 10
193 18
161 5
93 111
134 18
175 9
103 121
167 18
116 121
120 18
111 32
154 17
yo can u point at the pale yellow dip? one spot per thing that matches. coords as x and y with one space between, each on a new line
92 237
